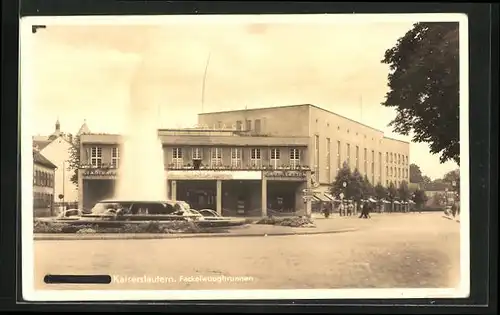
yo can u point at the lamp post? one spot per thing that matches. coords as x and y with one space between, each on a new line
344 185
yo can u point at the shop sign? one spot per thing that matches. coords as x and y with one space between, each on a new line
285 174
213 175
99 173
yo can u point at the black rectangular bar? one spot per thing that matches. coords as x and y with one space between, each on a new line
77 279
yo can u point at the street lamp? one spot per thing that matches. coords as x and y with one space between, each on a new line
344 185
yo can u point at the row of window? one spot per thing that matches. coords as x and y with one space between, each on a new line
396 183
236 155
396 172
42 178
42 200
396 158
401 158
96 156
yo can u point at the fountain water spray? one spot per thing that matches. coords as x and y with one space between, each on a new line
141 174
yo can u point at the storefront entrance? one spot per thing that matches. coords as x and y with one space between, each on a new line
200 194
282 196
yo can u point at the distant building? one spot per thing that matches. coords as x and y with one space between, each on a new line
56 148
332 140
43 185
252 161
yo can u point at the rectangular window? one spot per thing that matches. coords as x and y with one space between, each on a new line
373 162
348 148
294 158
399 158
275 158
257 126
196 152
216 157
255 158
392 158
177 157
365 163
391 173
328 161
357 158
339 159
386 157
236 157
248 125
238 125
380 167
115 157
96 156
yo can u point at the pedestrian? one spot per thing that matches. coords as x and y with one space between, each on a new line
365 211
454 209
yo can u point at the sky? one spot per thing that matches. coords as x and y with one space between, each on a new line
85 71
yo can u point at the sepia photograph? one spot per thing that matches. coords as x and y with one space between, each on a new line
315 156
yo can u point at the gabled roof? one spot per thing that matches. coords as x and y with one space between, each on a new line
41 144
38 158
84 129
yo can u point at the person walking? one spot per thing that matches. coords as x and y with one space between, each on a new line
365 212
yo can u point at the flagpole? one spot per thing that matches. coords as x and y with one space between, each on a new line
203 85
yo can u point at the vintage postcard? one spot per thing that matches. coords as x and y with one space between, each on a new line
244 157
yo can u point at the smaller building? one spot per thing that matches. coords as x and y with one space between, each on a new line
43 185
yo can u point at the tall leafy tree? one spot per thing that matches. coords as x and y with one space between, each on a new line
380 192
404 191
415 174
343 176
453 178
392 194
419 198
424 86
74 159
368 189
356 186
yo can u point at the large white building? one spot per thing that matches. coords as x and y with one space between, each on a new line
56 148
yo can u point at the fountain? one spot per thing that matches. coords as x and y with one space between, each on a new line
141 173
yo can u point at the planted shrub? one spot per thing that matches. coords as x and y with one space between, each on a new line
291 222
47 227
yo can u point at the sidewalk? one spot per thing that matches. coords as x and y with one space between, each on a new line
323 226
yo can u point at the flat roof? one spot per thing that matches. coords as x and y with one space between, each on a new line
396 140
289 106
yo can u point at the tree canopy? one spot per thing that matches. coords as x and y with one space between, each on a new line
380 191
74 159
355 186
392 192
453 178
424 86
419 198
404 191
415 174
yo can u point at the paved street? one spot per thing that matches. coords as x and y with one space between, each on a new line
390 250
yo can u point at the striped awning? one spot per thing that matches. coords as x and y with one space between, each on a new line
322 197
332 198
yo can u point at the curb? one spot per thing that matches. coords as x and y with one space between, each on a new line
42 237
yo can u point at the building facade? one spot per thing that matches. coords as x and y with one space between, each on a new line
43 185
56 147
253 162
333 140
227 171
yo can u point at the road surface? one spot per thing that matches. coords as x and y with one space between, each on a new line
388 251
